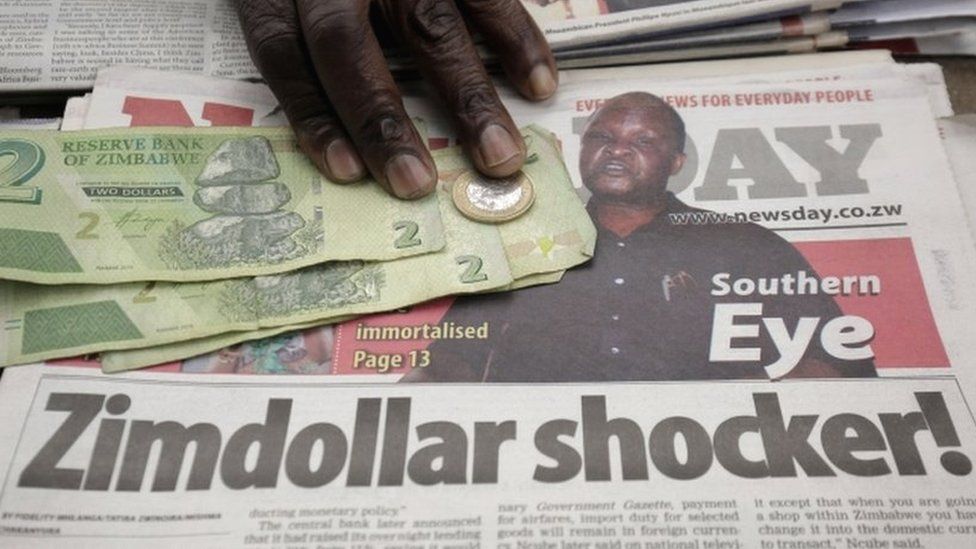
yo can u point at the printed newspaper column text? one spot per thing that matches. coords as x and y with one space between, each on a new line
22 43
228 58
164 35
866 522
369 525
627 524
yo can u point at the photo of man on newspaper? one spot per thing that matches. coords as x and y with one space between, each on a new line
656 302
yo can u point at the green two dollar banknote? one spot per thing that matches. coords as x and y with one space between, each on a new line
171 204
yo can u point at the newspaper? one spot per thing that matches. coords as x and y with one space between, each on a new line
893 11
935 27
60 44
132 96
961 43
841 175
825 63
786 27
91 460
574 23
864 65
288 352
959 134
75 110
804 44
125 96
923 28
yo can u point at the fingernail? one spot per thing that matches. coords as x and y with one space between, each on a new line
343 162
542 82
409 176
497 146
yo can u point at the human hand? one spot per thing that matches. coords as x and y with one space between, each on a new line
324 64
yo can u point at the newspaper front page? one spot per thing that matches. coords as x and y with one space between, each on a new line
92 460
60 44
132 96
812 235
313 350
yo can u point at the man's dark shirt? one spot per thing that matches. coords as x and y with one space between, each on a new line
642 309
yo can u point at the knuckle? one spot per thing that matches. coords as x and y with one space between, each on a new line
519 35
334 22
304 103
272 35
507 21
261 18
381 123
475 100
320 128
523 33
275 49
251 8
384 128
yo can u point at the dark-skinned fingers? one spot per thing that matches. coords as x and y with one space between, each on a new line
324 140
351 68
435 32
274 37
521 47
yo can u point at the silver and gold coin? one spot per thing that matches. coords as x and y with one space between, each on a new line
490 200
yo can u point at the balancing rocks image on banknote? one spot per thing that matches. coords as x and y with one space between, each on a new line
181 205
555 234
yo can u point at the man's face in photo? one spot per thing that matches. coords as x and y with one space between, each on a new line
629 152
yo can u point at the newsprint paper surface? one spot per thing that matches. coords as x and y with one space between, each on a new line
59 44
92 460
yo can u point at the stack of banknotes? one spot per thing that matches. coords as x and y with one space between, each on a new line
157 241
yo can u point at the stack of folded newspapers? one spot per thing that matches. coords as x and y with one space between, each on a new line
935 27
59 45
799 218
590 33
